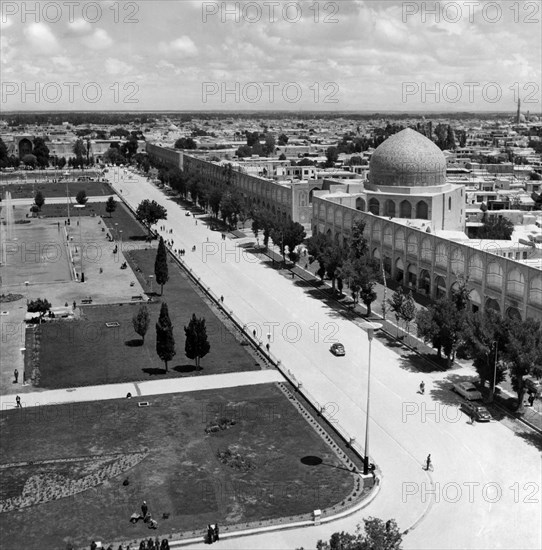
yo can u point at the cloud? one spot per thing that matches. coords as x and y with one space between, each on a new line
79 27
117 67
98 40
180 46
41 39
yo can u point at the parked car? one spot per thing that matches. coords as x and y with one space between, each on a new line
477 412
467 390
337 349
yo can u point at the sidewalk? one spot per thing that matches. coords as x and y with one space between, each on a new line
143 389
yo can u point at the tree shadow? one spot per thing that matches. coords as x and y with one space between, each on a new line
153 371
419 362
183 369
531 438
135 343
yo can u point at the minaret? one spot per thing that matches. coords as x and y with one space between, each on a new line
519 111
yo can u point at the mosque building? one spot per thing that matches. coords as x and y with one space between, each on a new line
415 223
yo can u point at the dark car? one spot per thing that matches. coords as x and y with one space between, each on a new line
477 412
337 349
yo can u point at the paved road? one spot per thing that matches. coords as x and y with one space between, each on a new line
486 482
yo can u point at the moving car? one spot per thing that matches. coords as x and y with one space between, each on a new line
467 390
477 412
337 349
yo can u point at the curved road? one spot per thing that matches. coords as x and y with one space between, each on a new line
484 491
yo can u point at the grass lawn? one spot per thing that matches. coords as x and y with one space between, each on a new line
86 352
284 467
49 189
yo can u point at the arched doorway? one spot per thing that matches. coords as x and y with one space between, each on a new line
412 277
405 210
493 304
25 148
390 208
399 270
422 210
360 204
440 286
374 207
425 282
513 313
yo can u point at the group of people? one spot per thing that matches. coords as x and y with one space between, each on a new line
212 533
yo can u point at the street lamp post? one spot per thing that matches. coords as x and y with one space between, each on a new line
371 328
492 392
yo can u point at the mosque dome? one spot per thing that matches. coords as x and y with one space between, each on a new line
407 159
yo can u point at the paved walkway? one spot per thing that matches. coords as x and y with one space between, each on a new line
143 389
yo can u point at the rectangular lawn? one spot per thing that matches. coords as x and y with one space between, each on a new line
275 465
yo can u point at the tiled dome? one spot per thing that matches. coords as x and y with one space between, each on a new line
407 159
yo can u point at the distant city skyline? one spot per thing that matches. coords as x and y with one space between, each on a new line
306 56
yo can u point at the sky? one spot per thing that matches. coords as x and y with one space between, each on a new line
354 55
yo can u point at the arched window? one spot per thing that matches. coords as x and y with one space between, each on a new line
422 210
360 204
374 207
405 210
390 208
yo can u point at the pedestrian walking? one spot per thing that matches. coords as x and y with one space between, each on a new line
210 534
428 462
18 402
531 399
207 239
422 387
216 532
144 509
16 375
222 299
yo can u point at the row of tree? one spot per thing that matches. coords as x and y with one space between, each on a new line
496 345
347 263
196 343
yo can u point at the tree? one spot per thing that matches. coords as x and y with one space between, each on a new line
39 305
165 343
39 200
442 324
377 535
79 150
141 321
41 152
484 334
185 143
332 155
294 235
496 228
197 344
30 160
110 206
283 139
81 197
408 312
114 156
523 353
160 265
149 212
4 157
358 242
396 303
